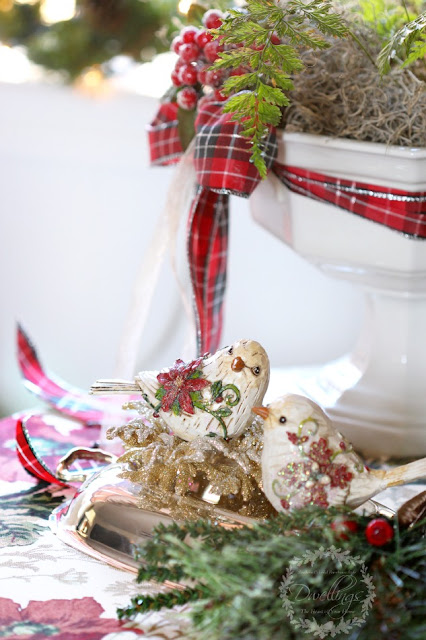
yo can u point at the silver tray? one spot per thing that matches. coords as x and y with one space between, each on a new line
105 519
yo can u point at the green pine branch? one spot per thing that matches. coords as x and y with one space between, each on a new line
235 574
261 91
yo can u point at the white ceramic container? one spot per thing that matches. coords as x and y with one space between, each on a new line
377 394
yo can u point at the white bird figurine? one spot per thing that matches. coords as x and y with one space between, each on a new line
212 395
305 460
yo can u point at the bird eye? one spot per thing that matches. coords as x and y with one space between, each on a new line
283 419
255 370
231 350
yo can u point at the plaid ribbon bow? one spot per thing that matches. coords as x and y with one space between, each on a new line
223 167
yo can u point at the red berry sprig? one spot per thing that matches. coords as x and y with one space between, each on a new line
343 528
187 98
197 51
212 19
378 532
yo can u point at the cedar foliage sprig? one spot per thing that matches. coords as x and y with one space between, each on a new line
409 43
262 89
231 577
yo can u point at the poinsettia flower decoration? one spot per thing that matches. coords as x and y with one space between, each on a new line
178 383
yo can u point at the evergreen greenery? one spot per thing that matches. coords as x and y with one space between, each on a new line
100 30
408 43
262 90
232 576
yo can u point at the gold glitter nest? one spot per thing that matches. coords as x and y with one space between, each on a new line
191 479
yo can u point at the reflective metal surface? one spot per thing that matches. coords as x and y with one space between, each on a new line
106 521
74 457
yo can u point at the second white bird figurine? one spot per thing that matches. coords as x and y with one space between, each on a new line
305 460
212 395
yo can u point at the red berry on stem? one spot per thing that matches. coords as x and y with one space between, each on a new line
179 64
187 98
202 74
215 77
189 52
237 72
189 34
212 19
219 96
212 49
378 532
275 39
188 74
343 527
202 38
175 79
176 44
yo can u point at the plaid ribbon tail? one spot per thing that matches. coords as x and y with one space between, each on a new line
29 458
207 256
66 399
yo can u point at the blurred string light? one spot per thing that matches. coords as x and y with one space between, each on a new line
184 5
15 66
92 83
52 11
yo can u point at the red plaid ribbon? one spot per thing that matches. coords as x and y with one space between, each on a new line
399 210
163 135
222 164
29 458
66 399
223 167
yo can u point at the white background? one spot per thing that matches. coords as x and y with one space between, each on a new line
78 206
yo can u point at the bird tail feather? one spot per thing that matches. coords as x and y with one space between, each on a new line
407 473
106 387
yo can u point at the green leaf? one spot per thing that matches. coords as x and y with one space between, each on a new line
271 95
216 388
418 51
176 410
160 393
195 396
235 84
261 91
223 412
402 43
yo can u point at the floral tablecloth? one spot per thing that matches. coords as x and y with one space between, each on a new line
47 589
50 590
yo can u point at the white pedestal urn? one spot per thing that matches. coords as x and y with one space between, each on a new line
377 394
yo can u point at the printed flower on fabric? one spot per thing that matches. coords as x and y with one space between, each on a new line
24 515
178 386
77 619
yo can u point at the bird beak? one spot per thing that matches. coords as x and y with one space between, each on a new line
263 412
238 364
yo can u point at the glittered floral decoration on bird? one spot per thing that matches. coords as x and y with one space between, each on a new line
306 461
210 396
178 385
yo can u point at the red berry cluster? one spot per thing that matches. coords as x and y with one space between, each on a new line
378 531
197 51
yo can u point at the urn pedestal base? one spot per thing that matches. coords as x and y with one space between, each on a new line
377 394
